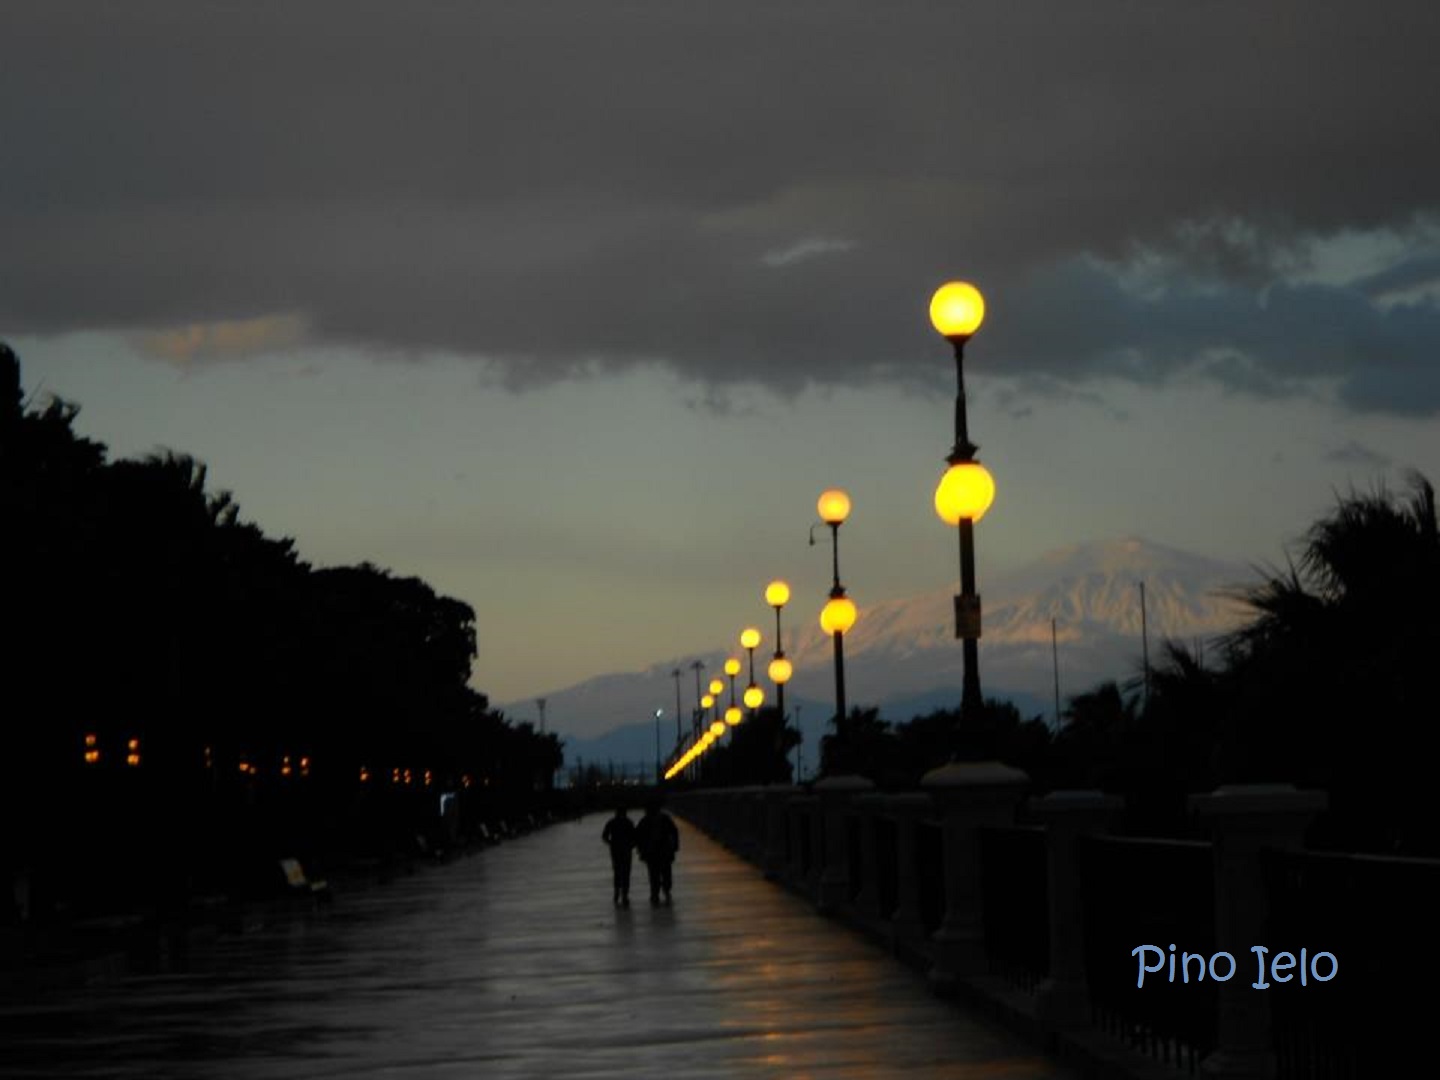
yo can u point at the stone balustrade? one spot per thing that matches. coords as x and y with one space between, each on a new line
858 855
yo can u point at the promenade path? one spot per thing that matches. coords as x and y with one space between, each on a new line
511 962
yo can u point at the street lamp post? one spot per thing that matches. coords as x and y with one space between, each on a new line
697 667
754 695
658 714
777 594
967 489
678 736
732 712
838 615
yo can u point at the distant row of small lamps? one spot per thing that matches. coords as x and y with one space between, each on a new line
836 617
290 765
777 595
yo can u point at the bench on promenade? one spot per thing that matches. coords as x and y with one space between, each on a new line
299 884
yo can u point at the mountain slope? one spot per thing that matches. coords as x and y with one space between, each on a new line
902 654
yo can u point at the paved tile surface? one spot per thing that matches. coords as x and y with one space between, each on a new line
513 963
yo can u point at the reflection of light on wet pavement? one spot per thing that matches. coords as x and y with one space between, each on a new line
512 962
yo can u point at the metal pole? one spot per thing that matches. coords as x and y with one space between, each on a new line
799 746
779 652
967 604
1144 645
678 714
970 699
1055 660
836 592
698 666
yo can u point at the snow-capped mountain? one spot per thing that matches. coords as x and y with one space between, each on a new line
903 654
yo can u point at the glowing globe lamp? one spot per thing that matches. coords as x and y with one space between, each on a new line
777 594
957 309
716 687
754 697
838 615
965 491
717 729
733 715
749 638
834 506
707 700
780 670
732 666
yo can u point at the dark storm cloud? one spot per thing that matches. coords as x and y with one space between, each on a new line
744 192
1080 321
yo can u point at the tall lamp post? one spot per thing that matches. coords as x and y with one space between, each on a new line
678 736
754 695
967 489
777 595
838 614
732 713
697 667
658 713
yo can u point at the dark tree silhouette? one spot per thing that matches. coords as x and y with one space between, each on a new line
272 707
755 752
1332 679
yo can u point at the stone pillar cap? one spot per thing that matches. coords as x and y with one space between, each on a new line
909 800
1258 799
961 774
1087 799
844 783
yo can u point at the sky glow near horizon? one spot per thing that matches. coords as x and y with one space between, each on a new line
588 360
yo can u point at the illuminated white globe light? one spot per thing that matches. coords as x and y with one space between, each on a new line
838 615
965 491
957 309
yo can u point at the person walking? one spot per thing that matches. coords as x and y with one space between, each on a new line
657 841
619 834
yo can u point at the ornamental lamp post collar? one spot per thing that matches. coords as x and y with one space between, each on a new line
956 311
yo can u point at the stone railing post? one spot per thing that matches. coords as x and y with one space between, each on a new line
1245 819
803 872
835 794
749 832
970 796
867 900
776 800
1063 998
907 928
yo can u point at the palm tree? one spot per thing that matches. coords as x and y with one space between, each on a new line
1332 674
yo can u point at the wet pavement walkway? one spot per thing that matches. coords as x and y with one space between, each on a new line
511 962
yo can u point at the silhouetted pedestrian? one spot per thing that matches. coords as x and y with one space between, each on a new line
657 840
619 834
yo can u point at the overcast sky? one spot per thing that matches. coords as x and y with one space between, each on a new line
572 309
